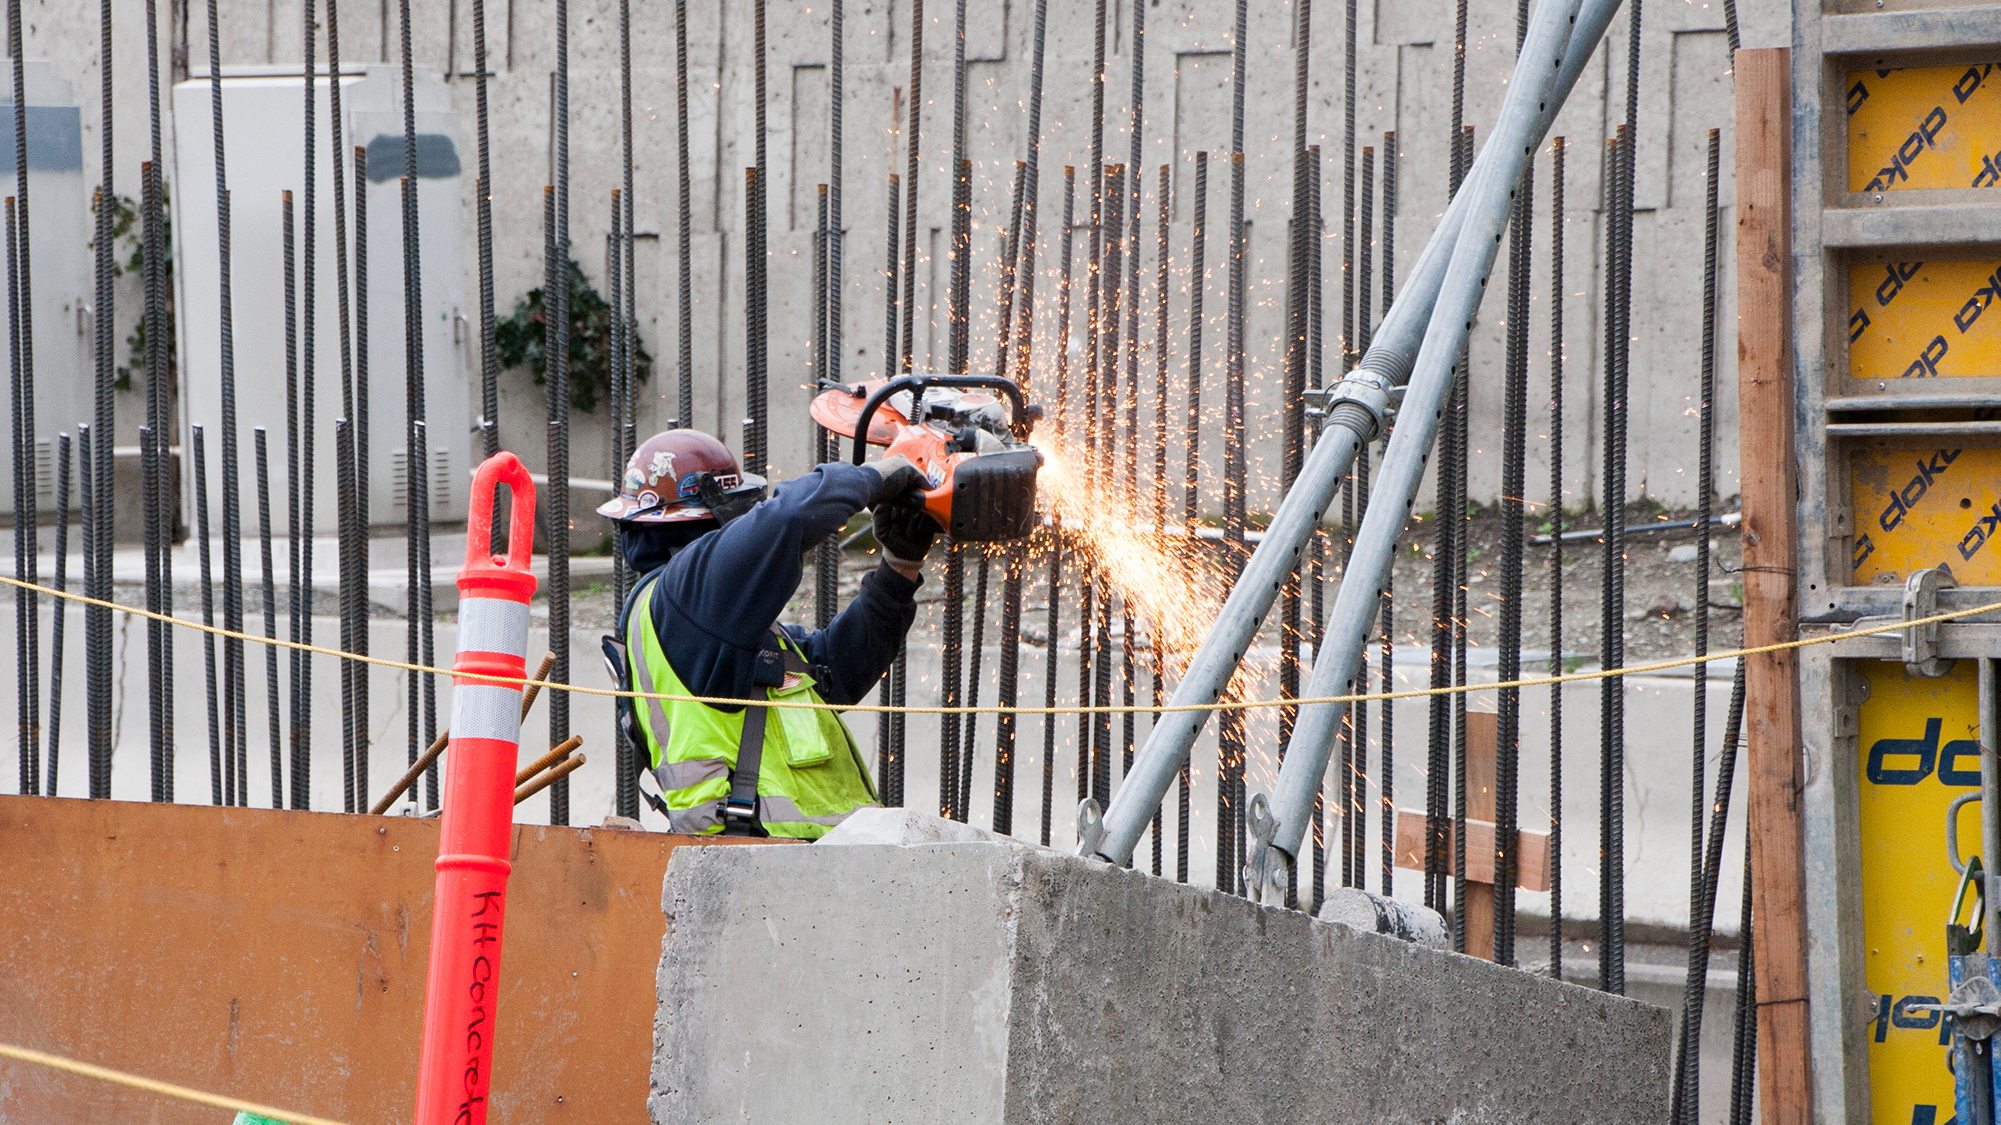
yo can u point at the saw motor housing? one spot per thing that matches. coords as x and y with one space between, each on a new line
972 449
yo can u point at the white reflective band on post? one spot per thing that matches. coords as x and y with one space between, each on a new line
486 711
493 625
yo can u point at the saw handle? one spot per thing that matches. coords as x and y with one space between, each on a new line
915 384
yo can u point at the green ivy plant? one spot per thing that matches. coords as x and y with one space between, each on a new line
518 339
129 257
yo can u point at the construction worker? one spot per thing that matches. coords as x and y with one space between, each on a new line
717 564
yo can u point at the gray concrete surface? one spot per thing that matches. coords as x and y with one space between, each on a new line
993 983
1403 83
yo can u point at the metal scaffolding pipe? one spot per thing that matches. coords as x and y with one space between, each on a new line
1360 401
1555 36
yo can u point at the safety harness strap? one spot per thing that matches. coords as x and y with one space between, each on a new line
775 660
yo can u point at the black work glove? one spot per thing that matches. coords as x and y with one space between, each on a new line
899 475
905 533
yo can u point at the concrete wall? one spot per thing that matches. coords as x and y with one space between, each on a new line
994 983
1403 83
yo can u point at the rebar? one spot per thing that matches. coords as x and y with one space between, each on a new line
103 321
1744 1042
969 746
1163 198
1612 594
355 755
1053 624
1386 752
558 496
22 451
60 583
271 693
26 525
684 290
1686 1098
200 480
912 140
165 486
1107 423
1514 486
302 484
298 585
827 555
358 438
889 768
232 523
836 231
1556 297
417 475
489 361
756 453
154 543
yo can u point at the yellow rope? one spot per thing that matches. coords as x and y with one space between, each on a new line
1109 709
155 1086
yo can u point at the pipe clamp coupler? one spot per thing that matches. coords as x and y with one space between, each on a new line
1368 387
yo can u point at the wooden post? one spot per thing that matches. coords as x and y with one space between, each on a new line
1482 739
1770 499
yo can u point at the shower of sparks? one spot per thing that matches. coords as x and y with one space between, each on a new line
1171 582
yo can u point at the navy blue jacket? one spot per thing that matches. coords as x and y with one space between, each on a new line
715 601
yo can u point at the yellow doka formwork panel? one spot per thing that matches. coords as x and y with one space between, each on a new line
1924 127
1918 508
1917 320
1918 752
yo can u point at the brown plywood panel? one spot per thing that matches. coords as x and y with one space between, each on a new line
280 957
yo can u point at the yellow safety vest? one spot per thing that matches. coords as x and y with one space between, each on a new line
803 766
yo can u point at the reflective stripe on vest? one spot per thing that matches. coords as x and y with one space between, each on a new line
811 775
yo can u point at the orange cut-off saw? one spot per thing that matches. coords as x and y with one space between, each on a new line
970 443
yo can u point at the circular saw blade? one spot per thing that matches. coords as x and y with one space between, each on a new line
838 410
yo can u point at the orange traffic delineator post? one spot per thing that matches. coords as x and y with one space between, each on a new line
462 993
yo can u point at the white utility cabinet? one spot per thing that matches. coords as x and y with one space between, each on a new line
263 142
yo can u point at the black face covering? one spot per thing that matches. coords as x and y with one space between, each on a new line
648 546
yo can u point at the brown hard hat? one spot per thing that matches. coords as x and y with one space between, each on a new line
662 481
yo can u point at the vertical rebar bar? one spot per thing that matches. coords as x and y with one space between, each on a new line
1556 297
22 452
1386 754
297 585
888 767
756 454
352 586
200 479
272 696
489 361
165 485
417 476
363 451
1113 275
1514 487
1056 534
558 502
302 700
912 143
968 748
1686 1099
232 523
104 321
836 231
59 581
1158 671
1744 1068
1611 752
684 248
